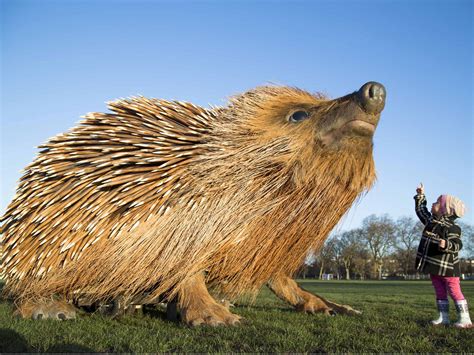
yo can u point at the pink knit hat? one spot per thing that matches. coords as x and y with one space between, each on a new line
450 205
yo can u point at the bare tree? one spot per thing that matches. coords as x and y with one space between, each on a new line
361 264
467 237
308 264
378 233
381 244
407 236
337 251
350 247
326 255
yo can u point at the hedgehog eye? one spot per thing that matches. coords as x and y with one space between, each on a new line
298 116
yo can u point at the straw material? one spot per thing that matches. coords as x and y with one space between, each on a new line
140 200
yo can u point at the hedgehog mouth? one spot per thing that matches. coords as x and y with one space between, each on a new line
359 126
355 128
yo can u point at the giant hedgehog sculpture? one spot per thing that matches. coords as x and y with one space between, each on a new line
166 198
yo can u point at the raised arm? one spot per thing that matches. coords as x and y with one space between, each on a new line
420 205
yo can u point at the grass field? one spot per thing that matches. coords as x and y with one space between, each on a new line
395 318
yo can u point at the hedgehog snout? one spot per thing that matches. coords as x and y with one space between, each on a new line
355 115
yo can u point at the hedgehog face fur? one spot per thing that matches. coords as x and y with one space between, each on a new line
143 198
275 111
306 126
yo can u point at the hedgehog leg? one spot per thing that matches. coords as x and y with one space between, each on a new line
172 310
197 306
289 291
119 306
46 309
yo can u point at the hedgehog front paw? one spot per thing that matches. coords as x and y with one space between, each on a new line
50 309
344 309
211 314
198 307
317 305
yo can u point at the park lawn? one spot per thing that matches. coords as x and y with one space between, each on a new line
395 318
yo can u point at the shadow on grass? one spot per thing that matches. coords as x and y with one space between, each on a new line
155 312
266 308
13 342
69 348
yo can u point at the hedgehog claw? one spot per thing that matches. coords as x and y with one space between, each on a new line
38 316
234 321
50 309
196 322
214 323
198 307
61 316
344 309
215 320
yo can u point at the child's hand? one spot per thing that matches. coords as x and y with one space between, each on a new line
420 190
442 243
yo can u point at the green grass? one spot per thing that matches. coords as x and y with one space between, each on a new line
395 318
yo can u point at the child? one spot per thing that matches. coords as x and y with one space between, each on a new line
438 254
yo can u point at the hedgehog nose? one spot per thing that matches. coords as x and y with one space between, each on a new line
372 97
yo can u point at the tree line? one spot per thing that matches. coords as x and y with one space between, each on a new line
381 248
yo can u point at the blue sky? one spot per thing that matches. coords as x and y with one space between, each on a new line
62 59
